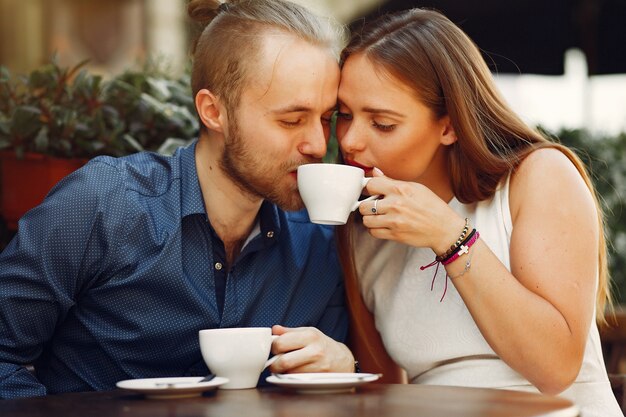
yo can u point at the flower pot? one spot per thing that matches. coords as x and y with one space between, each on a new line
25 182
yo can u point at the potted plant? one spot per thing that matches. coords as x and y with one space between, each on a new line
55 119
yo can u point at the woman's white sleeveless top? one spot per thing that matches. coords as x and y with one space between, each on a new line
437 342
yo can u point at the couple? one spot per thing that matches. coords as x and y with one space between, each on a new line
483 262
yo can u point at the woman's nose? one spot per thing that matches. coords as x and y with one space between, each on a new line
349 138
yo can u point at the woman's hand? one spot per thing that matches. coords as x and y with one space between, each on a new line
410 213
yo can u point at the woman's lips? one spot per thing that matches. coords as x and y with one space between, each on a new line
356 164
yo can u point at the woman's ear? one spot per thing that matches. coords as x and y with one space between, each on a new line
211 111
448 135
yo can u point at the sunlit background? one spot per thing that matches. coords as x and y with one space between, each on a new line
117 34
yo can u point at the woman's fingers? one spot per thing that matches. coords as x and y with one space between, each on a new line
371 208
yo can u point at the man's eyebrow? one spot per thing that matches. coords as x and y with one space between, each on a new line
293 108
298 108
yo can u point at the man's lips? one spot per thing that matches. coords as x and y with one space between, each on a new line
294 171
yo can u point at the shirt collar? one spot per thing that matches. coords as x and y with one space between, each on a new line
191 198
269 221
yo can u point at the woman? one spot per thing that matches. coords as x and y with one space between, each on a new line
484 260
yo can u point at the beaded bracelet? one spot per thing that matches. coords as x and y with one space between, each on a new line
463 248
456 244
467 239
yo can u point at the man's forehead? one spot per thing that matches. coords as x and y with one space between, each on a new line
291 70
278 50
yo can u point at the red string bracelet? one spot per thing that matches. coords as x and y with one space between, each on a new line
461 250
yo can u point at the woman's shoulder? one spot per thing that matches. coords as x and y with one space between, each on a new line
547 176
545 159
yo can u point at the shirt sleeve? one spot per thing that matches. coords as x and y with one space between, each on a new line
60 249
334 321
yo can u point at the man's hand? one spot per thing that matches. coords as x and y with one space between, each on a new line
306 349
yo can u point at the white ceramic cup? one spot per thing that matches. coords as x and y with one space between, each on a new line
239 354
331 191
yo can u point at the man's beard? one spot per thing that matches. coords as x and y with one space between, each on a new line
257 175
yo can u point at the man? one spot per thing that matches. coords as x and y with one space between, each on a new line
112 276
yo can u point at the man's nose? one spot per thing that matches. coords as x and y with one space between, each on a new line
314 143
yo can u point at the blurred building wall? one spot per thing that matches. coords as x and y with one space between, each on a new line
342 10
113 34
21 33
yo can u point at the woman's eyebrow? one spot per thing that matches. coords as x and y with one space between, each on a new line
382 111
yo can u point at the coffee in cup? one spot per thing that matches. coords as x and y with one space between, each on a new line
331 191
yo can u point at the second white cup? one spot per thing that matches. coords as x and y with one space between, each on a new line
331 191
239 354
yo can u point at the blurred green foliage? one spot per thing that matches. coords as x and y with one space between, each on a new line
332 150
72 113
605 158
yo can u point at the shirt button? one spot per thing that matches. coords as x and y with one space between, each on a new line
218 266
270 234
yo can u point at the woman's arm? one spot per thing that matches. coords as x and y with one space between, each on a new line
536 317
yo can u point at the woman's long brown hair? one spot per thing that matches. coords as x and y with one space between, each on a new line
434 57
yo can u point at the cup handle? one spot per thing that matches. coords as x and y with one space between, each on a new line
370 198
271 360
274 358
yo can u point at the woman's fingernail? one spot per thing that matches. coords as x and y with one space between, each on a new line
378 171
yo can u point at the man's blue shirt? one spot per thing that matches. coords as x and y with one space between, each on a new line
114 274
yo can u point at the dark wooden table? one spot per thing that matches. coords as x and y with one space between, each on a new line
369 400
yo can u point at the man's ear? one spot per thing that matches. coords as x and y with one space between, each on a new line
211 111
448 135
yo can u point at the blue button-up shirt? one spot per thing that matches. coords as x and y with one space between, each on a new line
114 274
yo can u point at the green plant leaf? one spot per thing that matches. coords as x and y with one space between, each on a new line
133 142
5 75
41 140
25 121
159 88
4 128
72 71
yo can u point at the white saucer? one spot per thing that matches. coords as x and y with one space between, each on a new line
158 387
319 383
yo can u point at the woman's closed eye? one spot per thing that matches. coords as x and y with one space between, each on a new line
383 127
